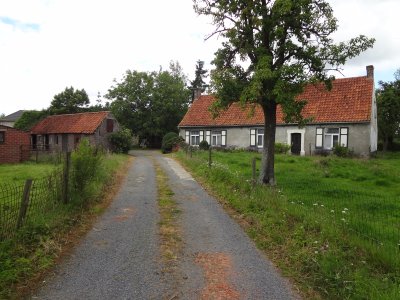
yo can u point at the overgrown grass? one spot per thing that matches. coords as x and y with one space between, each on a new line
318 223
37 246
18 173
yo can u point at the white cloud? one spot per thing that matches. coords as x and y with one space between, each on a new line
88 43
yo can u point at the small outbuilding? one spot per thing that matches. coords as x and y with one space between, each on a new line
63 132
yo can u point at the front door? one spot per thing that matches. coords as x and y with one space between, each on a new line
296 143
64 142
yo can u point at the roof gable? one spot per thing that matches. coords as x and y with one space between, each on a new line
349 101
13 117
86 123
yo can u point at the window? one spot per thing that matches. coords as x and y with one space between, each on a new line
216 138
2 137
331 138
257 138
110 125
260 138
195 138
328 138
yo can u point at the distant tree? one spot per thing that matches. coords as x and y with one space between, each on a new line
388 102
2 115
29 118
198 83
69 101
150 103
284 44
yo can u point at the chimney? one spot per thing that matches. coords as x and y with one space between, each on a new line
196 94
370 72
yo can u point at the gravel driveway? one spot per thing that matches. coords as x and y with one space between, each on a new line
120 257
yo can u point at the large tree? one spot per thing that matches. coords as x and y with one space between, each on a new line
150 103
29 118
198 84
284 44
388 102
69 101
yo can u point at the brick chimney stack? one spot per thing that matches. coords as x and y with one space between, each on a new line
370 72
196 94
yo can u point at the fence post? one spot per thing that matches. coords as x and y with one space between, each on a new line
253 168
24 203
66 177
37 155
209 157
191 152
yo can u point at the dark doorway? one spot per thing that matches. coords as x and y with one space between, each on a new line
296 143
64 143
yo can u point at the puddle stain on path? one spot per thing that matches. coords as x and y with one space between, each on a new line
217 268
126 214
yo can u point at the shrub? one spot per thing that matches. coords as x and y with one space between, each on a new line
204 145
342 151
322 152
85 162
121 141
281 148
169 140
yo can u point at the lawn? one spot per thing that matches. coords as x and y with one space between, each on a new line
331 223
18 173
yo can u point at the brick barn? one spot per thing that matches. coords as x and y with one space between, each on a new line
14 145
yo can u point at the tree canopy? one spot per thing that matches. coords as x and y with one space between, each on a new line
198 83
150 103
69 101
284 44
29 118
388 102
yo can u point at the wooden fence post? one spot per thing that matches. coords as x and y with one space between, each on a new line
66 177
253 167
209 157
24 203
191 152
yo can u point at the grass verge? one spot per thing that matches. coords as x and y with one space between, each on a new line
170 232
325 259
18 173
27 258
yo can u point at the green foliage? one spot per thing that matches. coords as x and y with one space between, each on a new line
29 118
388 103
204 145
281 148
335 235
86 162
342 151
150 104
287 44
121 141
169 140
69 101
198 82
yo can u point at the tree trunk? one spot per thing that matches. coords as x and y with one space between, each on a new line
267 172
385 143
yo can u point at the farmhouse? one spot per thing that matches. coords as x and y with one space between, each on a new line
11 119
346 115
63 132
14 145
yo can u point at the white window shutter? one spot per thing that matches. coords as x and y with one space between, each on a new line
252 137
187 137
201 136
319 138
344 136
223 142
208 137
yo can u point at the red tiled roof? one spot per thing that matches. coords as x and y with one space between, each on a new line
71 123
349 101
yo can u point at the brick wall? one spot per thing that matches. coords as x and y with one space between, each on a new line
15 147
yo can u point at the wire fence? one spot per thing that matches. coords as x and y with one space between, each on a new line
20 203
373 218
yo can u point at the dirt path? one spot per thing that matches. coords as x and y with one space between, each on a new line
120 257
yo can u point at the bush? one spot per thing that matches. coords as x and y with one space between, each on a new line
121 141
341 151
322 152
170 140
204 145
281 148
85 162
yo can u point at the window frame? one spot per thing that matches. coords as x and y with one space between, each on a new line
217 134
258 134
3 139
194 134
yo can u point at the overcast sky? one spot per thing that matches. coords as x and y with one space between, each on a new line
47 45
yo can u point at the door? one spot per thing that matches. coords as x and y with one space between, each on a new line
64 143
296 143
